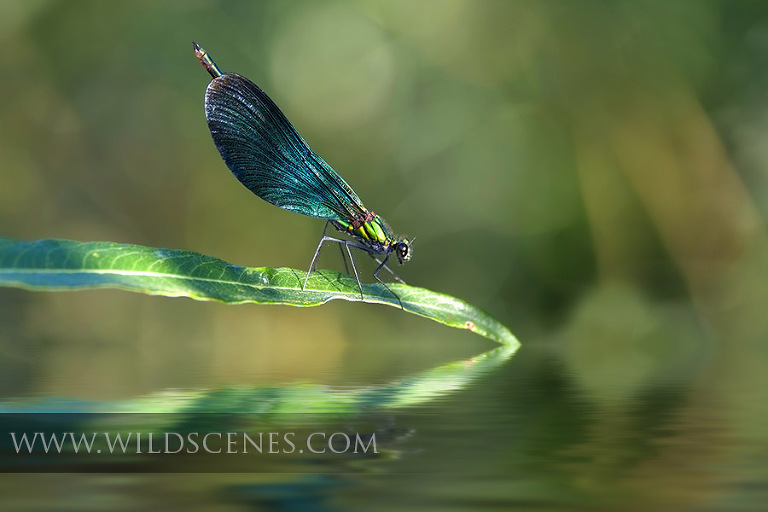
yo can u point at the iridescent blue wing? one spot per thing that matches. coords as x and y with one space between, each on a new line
269 157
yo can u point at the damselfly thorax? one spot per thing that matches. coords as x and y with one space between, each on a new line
368 229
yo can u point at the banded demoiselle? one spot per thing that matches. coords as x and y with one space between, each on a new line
266 153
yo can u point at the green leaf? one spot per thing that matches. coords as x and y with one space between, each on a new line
69 265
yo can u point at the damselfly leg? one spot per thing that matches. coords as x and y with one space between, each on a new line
345 245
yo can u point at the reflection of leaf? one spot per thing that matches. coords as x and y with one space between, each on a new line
68 265
287 402
301 409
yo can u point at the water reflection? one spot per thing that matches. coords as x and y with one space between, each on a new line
300 411
484 433
275 400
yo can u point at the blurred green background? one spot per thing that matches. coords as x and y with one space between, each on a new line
592 173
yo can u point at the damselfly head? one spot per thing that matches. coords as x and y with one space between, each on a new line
403 250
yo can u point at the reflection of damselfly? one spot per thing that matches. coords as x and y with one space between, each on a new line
269 157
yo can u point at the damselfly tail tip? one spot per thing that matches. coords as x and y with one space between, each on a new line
206 60
199 52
